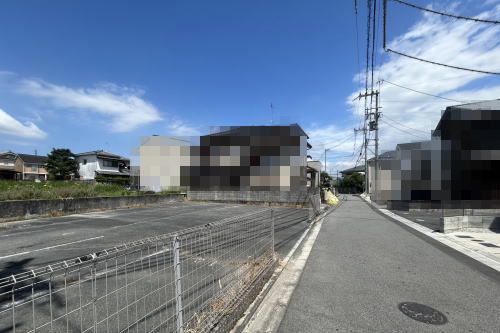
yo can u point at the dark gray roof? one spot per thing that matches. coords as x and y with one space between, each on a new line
493 105
411 145
359 168
388 155
27 158
102 153
247 130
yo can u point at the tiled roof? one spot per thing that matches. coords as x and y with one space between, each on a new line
27 158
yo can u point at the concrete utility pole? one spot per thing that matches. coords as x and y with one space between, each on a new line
370 125
377 115
326 149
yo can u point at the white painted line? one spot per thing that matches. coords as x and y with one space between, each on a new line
13 255
420 220
50 247
476 254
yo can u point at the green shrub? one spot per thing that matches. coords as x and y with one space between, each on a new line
20 190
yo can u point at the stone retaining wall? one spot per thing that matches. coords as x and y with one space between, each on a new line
22 209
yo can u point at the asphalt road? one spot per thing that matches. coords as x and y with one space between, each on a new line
364 267
140 284
429 219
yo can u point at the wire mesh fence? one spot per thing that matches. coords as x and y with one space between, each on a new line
180 282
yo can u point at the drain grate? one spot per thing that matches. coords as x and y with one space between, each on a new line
478 240
463 236
489 245
422 313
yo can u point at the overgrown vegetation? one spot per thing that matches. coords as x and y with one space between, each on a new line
123 181
16 190
354 183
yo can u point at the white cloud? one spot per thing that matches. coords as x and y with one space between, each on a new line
123 105
409 116
179 128
10 126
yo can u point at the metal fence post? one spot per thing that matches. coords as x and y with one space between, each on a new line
178 287
272 230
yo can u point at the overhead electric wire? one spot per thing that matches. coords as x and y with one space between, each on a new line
401 124
421 92
446 14
340 143
374 35
426 60
441 64
403 130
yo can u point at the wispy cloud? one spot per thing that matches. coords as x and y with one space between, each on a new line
10 126
124 106
178 127
409 116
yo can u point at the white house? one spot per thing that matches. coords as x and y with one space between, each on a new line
100 162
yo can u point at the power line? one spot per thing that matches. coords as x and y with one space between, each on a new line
446 14
341 142
401 124
420 92
402 130
441 64
385 8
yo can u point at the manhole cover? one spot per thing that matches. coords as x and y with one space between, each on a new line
422 313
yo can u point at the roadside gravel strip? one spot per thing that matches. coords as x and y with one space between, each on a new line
265 316
460 246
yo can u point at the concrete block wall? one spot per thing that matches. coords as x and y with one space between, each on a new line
285 197
20 209
469 223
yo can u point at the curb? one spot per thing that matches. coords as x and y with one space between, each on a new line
263 298
475 254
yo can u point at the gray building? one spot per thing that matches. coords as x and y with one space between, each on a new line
458 165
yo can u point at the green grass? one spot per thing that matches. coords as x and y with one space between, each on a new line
15 190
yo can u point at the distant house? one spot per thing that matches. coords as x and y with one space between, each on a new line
15 166
100 162
313 173
350 171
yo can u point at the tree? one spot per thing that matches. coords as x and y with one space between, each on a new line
61 164
325 180
355 181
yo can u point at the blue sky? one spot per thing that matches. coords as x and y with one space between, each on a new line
89 75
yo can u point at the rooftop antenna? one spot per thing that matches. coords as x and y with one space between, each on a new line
272 112
36 152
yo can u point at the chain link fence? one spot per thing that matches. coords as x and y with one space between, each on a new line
188 281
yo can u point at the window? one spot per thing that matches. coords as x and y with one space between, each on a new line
84 161
109 163
33 167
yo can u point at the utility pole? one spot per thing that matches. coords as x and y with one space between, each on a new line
377 115
326 149
372 126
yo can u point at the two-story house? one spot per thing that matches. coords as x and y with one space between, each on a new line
100 162
15 166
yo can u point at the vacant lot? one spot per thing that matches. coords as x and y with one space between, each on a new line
16 190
